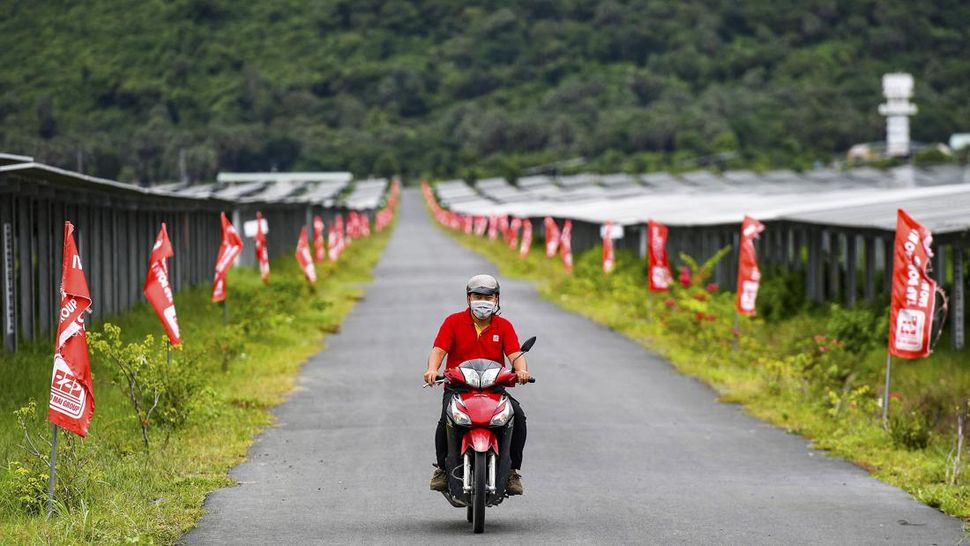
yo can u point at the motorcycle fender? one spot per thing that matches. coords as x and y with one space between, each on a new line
480 440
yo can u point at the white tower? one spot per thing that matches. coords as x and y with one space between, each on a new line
898 89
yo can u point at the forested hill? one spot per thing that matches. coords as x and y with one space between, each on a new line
450 87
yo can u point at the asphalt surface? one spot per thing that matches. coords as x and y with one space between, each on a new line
621 448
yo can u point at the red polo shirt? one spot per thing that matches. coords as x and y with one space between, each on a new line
458 338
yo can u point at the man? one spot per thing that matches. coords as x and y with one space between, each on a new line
477 332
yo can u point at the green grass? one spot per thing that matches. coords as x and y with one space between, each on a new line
155 497
781 372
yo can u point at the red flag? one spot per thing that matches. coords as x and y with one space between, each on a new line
749 276
552 237
303 257
914 292
481 224
332 250
526 238
72 394
158 289
512 233
318 246
609 261
262 253
341 241
566 245
229 250
658 267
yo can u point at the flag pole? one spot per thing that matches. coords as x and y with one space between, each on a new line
50 481
885 397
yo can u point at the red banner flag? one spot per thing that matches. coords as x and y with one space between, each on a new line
341 234
526 238
609 261
552 237
914 292
262 252
229 250
749 276
658 267
72 393
566 245
318 246
512 233
158 289
304 258
481 224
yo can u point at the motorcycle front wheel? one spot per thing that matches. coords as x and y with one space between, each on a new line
478 493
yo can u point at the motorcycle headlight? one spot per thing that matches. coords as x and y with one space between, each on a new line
503 416
488 377
472 379
458 416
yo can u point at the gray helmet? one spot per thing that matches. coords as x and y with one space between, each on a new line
482 284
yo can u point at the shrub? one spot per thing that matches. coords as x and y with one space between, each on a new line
909 430
28 480
859 330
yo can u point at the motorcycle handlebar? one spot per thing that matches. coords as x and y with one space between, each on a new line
441 378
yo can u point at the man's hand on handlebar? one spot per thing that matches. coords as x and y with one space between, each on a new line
430 376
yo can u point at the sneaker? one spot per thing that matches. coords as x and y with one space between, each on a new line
514 485
439 481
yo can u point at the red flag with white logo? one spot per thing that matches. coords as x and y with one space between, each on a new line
552 237
609 260
229 250
262 252
566 245
526 238
914 292
71 402
749 276
158 288
304 258
320 252
481 224
341 235
512 234
658 267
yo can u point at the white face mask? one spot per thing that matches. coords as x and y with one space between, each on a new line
482 309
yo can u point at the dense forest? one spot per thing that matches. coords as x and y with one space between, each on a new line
127 89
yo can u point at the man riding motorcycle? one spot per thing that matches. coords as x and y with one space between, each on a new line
477 332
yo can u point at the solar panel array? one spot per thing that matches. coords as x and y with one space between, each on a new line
862 197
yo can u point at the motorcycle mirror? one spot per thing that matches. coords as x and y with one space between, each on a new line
528 344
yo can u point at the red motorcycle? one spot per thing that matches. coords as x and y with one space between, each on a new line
479 429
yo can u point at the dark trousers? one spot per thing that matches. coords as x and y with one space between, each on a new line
518 432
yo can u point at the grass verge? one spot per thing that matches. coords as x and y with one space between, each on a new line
153 497
813 370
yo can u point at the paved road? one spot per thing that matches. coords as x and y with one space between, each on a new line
621 448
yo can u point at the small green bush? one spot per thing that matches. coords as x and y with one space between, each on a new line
909 430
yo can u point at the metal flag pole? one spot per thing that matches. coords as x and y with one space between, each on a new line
885 396
50 481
